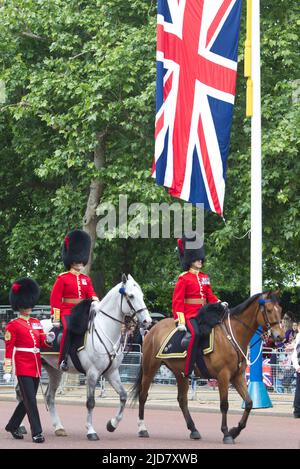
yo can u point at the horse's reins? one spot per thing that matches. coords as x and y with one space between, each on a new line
123 293
132 309
262 307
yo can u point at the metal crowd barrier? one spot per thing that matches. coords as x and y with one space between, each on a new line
279 375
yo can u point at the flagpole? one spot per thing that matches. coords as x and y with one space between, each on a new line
257 389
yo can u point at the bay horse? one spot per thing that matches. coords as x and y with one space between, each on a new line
102 354
227 362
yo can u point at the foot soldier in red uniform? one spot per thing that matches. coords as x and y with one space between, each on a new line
191 292
71 287
25 334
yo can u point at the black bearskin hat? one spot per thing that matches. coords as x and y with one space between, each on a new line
188 255
24 293
76 248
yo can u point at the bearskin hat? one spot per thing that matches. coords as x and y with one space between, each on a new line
188 255
24 293
76 248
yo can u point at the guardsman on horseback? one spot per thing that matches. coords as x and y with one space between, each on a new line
71 287
25 335
191 292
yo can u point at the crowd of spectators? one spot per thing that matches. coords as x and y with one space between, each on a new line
280 354
291 329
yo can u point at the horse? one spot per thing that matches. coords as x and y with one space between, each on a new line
102 354
226 363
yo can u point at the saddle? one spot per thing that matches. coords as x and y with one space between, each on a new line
175 346
176 342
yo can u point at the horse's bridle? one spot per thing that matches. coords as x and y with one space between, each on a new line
262 303
131 315
262 308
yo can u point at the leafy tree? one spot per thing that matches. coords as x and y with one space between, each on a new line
77 130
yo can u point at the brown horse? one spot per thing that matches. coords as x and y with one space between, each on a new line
227 362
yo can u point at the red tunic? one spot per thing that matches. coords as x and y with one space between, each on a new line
70 285
24 332
191 291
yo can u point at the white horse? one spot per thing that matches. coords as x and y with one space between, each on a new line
103 353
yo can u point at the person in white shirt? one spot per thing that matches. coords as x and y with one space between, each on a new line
296 365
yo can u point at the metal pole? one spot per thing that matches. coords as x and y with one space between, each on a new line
257 389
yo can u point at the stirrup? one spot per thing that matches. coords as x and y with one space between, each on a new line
64 366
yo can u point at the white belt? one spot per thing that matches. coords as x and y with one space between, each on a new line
23 349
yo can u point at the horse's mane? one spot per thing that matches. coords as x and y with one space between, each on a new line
237 310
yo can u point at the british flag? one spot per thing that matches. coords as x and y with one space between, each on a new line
197 44
266 373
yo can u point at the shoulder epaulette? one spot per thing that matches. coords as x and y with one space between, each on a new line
183 273
63 273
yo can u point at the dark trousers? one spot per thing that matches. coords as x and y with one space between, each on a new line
297 396
193 327
28 388
65 350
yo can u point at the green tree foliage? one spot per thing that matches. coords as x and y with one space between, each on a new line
82 73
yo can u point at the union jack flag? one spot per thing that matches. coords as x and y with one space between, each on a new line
266 373
197 44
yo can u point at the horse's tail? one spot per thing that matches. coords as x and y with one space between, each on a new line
134 392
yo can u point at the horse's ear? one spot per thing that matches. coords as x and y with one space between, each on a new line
124 278
268 294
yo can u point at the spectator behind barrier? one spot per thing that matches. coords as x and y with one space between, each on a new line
290 334
296 365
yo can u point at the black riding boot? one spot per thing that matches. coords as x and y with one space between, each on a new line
65 353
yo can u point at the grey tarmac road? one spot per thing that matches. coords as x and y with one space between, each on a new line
166 428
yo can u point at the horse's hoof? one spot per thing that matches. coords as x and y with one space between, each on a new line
234 432
110 427
61 432
195 435
228 440
143 434
92 437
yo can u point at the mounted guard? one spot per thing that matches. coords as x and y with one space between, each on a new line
71 287
191 292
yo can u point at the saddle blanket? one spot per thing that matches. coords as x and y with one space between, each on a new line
172 348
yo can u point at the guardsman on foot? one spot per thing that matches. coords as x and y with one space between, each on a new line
71 287
25 335
191 292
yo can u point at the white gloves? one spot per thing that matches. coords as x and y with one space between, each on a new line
224 304
50 337
7 377
181 328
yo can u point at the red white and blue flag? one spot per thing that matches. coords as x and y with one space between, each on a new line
266 373
197 44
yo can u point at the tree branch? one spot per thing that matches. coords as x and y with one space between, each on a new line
96 190
33 36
